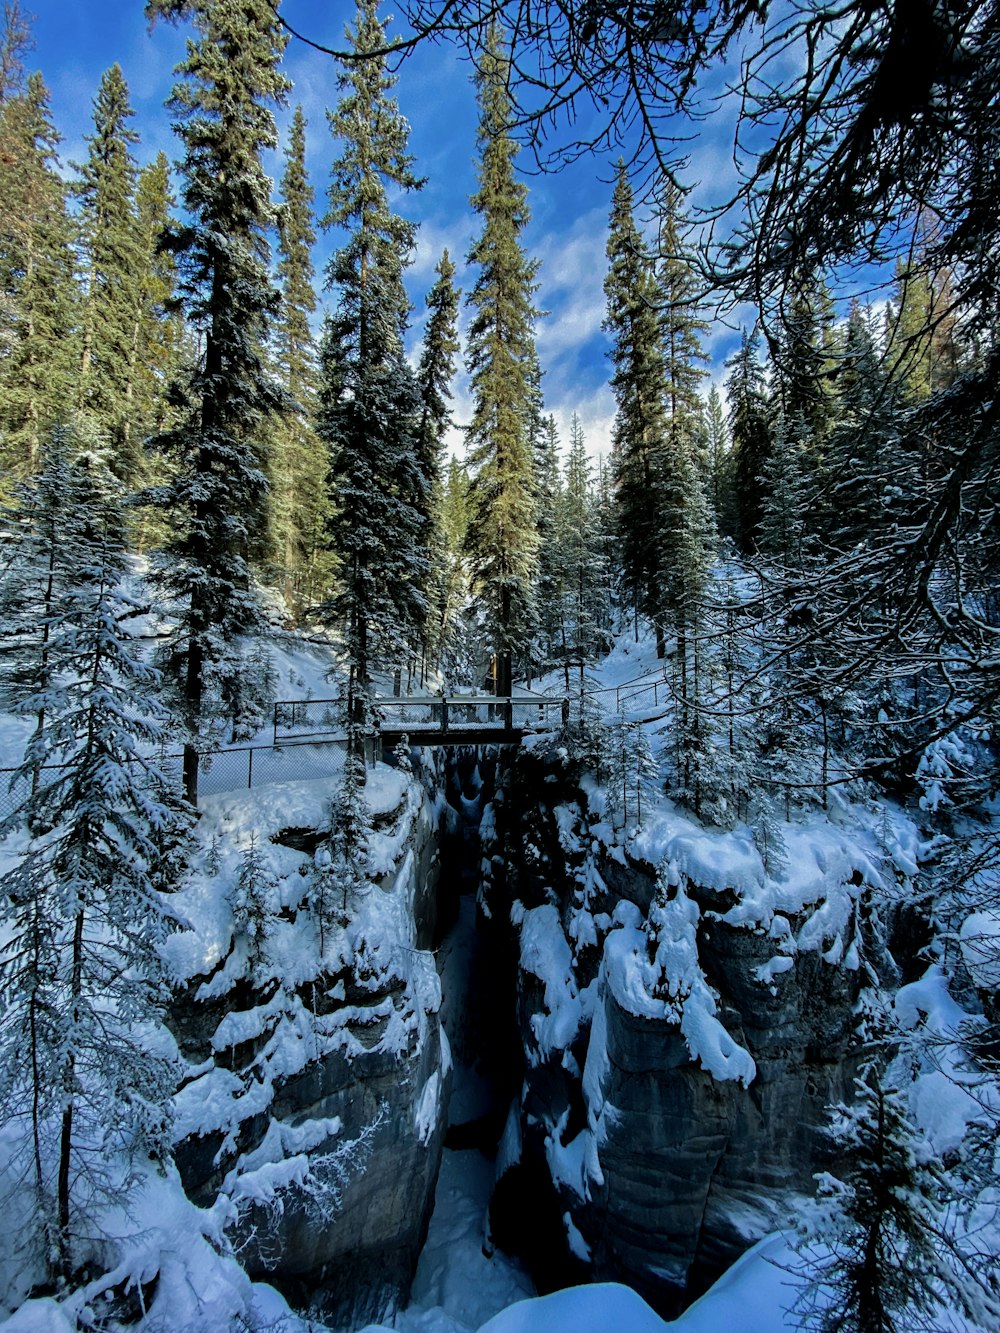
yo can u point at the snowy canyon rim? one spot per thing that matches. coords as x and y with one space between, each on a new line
618 1157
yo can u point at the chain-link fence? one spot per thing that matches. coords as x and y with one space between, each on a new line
219 770
16 783
262 765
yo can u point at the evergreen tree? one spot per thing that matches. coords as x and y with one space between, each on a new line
884 1266
610 545
230 81
37 281
638 382
502 363
435 372
370 402
750 432
161 342
804 364
586 594
686 533
629 770
15 42
436 368
252 905
161 348
860 443
786 487
301 507
450 588
908 328
719 479
82 913
686 529
550 605
351 829
115 262
921 322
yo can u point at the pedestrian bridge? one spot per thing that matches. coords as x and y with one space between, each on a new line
427 719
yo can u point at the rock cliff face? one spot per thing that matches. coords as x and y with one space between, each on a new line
685 1021
314 1111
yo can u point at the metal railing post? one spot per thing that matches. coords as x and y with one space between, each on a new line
444 715
250 768
508 714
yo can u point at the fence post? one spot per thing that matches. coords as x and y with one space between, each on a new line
249 768
444 714
190 773
508 714
565 712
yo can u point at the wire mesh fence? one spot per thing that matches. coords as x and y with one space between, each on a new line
244 767
16 783
262 765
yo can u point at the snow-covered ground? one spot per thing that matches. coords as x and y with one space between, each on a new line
458 1288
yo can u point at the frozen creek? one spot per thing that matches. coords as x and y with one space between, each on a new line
457 1287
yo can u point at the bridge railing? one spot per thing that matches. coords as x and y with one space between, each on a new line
465 712
300 720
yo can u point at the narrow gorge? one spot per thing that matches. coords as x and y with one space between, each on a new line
640 1037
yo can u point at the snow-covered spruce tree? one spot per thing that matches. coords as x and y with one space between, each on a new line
502 535
230 81
114 271
719 474
723 770
251 904
301 504
369 398
345 875
83 914
44 530
629 771
160 347
585 600
882 1259
550 641
862 438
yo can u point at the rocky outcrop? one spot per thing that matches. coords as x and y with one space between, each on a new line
686 1022
350 1257
314 1109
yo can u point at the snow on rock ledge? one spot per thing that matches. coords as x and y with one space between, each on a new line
686 1019
313 1103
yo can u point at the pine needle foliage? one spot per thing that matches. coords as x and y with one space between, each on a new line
500 357
369 398
82 908
115 263
37 283
223 107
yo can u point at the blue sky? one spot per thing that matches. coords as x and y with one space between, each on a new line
75 42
